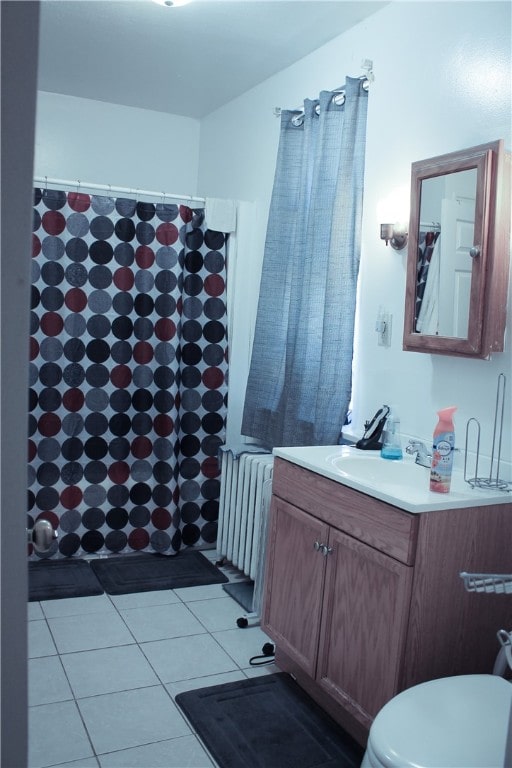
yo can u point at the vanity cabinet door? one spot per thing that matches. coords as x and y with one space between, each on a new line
295 583
365 614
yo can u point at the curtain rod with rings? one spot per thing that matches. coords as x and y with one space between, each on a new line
339 93
82 185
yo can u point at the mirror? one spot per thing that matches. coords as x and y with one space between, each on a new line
444 262
458 257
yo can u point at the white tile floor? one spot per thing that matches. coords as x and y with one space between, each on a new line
104 672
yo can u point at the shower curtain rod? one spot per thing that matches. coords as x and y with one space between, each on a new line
110 188
430 225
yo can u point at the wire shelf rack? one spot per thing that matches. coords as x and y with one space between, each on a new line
495 583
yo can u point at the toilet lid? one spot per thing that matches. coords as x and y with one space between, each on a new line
454 721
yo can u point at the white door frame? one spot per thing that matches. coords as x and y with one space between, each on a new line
19 26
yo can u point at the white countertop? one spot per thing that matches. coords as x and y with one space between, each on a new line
401 483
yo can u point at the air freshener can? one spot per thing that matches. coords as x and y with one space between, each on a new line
442 452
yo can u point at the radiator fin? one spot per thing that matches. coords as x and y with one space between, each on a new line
243 511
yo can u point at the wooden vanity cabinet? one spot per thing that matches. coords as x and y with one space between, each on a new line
365 611
363 599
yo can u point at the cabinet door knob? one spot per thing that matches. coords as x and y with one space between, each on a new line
326 550
317 546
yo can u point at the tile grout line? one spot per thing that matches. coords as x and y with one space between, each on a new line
180 600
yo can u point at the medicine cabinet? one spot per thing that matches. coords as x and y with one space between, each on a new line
459 253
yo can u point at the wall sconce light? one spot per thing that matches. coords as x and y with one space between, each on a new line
395 235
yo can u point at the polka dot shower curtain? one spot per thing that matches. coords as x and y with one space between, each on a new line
300 378
128 368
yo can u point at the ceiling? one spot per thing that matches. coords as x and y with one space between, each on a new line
184 60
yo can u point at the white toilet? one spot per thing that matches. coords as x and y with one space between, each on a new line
453 722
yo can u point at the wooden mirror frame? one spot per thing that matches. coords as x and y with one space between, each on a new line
490 270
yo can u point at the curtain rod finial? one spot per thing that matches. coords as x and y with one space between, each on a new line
367 67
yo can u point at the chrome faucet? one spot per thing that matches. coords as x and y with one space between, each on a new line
423 457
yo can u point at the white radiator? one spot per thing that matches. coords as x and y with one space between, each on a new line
245 489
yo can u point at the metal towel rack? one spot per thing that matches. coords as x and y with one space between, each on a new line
495 583
498 584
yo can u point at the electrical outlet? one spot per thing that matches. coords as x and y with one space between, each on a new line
383 327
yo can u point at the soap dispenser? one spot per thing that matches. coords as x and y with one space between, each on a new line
391 443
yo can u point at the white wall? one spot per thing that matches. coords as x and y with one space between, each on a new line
106 143
442 83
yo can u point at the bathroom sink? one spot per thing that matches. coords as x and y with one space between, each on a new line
377 471
402 483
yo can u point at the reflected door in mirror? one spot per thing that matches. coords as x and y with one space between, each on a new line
457 226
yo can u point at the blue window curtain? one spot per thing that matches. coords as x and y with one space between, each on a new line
300 378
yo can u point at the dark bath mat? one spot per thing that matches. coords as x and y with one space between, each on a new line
242 592
56 579
146 572
267 722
